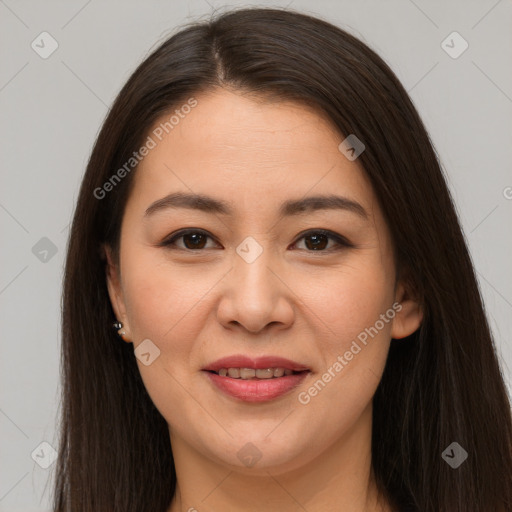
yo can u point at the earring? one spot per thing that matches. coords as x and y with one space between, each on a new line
118 326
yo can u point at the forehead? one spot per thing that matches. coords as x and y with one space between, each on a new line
246 149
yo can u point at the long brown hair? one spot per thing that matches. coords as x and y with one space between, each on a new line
441 385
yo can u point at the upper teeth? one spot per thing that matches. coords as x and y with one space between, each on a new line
251 373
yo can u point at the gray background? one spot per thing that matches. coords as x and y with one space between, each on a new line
52 110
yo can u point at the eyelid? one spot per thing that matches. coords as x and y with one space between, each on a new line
173 237
339 239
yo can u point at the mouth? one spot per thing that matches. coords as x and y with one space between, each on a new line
255 380
255 373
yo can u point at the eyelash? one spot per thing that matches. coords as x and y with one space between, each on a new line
342 242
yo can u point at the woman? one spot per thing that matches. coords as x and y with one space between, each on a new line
297 322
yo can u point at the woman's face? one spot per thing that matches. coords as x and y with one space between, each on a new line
257 281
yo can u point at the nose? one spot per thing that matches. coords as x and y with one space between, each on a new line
255 294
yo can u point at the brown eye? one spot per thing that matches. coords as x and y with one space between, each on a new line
194 240
317 242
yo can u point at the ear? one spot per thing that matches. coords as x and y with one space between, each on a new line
409 316
115 291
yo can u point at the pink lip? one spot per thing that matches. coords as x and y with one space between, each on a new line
256 390
241 361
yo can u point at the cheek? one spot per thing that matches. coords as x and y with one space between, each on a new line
348 299
166 304
353 339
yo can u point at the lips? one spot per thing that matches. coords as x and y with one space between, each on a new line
256 389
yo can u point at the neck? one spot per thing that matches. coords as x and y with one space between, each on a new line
340 478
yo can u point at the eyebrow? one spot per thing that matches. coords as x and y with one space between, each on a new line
288 208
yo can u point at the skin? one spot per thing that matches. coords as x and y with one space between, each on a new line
309 306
